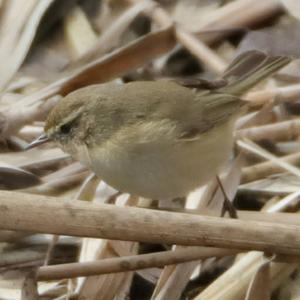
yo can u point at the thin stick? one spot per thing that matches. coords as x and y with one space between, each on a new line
262 170
201 51
281 94
236 14
111 37
50 249
129 263
36 213
231 285
280 131
103 69
239 14
248 145
227 203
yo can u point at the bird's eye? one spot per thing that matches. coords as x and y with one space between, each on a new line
65 129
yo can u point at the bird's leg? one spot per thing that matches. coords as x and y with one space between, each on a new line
227 206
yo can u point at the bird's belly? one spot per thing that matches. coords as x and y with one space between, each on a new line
165 172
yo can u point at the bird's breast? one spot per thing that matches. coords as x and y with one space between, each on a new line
163 170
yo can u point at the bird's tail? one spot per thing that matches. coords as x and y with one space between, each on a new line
248 69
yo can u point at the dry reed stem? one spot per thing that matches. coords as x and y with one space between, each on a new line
265 115
231 285
288 202
213 62
193 41
70 169
60 185
280 94
175 278
120 61
234 282
260 285
111 37
36 158
261 152
16 40
129 263
112 65
108 286
280 131
104 69
14 119
25 212
19 257
202 52
265 169
237 14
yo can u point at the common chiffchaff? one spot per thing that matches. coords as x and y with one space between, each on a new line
159 139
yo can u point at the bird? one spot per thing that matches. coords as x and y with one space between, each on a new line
157 139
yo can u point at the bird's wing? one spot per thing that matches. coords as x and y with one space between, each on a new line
215 109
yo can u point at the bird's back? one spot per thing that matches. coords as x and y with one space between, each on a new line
151 101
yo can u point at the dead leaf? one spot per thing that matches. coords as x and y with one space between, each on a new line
112 36
104 69
279 184
15 178
260 286
106 287
20 22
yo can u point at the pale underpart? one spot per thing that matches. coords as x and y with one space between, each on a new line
159 168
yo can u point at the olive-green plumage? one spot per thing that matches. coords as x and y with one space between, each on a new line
156 139
118 105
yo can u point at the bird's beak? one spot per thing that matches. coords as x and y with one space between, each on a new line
39 141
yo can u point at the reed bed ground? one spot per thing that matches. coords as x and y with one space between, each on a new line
65 234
